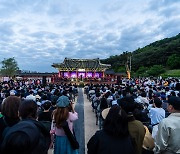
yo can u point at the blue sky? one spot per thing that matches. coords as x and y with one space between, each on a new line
39 33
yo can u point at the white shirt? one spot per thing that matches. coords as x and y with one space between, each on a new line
168 136
156 115
31 97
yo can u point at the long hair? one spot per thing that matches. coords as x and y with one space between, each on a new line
116 122
10 107
60 115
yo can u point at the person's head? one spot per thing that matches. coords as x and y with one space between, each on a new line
28 109
163 96
98 94
10 107
107 94
143 94
64 93
116 122
128 104
44 97
174 104
178 94
173 93
31 92
46 105
157 102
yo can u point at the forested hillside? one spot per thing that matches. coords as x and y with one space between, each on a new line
165 52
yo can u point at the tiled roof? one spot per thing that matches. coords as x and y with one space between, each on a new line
87 64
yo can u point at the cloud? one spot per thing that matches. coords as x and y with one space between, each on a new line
158 5
171 27
6 30
39 33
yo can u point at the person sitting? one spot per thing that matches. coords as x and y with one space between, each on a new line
31 96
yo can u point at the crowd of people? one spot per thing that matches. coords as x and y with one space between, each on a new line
150 105
35 117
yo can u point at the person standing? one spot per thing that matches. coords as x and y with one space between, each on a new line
28 112
64 113
157 113
114 138
135 127
28 136
9 113
168 137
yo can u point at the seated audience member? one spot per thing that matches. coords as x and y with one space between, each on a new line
168 137
114 138
31 96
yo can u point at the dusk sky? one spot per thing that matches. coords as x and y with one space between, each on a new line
39 33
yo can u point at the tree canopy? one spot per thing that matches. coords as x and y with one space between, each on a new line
173 61
164 54
9 67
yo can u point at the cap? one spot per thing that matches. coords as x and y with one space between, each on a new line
105 112
63 101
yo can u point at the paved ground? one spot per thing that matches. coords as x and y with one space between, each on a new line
89 121
79 124
85 126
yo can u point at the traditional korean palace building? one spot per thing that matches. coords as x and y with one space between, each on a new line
75 71
81 68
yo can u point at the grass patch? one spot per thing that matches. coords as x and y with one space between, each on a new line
171 73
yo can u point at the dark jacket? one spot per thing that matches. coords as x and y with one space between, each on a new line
102 143
26 137
6 122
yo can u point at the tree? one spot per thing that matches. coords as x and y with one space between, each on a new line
142 71
173 61
155 70
9 67
120 69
